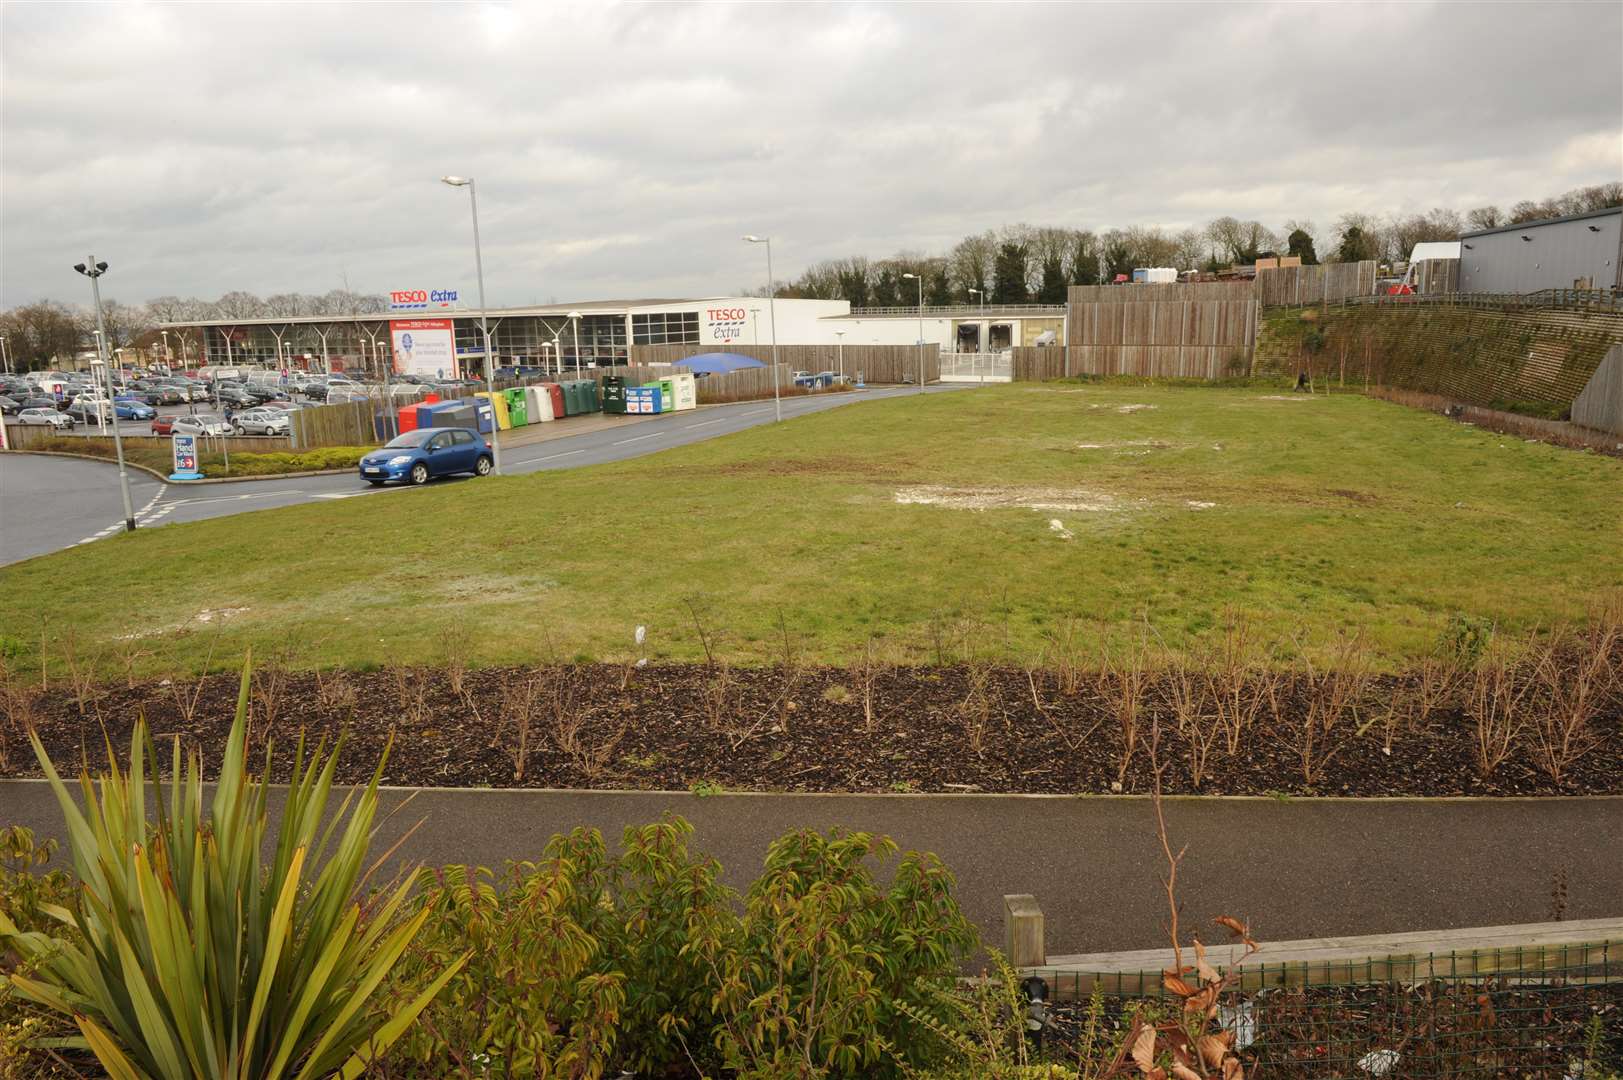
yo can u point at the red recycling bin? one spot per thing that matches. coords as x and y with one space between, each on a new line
557 394
408 418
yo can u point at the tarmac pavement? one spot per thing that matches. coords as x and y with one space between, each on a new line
1294 869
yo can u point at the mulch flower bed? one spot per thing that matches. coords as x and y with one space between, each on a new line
677 726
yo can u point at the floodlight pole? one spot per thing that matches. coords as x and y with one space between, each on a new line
484 322
920 279
772 320
92 269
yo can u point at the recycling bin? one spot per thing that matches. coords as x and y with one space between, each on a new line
479 415
614 394
518 409
685 391
643 399
667 393
408 418
588 395
538 403
574 399
498 404
556 392
440 414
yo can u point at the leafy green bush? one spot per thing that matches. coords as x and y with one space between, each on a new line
27 894
188 957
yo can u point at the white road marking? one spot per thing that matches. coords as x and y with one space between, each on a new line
554 457
639 438
235 498
340 494
707 423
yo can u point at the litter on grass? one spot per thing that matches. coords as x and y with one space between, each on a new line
1195 505
1058 526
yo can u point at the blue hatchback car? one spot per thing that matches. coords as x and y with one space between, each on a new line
416 456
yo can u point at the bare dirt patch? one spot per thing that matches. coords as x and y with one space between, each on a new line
1075 500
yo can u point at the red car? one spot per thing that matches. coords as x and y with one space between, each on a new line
163 425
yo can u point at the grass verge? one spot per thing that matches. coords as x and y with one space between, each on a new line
213 464
991 517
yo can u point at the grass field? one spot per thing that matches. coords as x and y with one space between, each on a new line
1171 504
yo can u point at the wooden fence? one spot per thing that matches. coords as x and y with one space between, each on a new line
877 363
1078 295
1146 335
347 423
1295 286
1599 404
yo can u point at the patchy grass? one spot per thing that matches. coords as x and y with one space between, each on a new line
1312 516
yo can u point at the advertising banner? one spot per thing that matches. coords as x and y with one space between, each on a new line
725 324
185 454
424 347
421 299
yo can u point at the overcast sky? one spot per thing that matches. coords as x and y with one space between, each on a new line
621 151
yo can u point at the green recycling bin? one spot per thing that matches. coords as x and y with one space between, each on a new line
588 390
518 406
614 394
667 393
571 389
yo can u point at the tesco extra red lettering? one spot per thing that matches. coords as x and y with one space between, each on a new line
409 296
732 314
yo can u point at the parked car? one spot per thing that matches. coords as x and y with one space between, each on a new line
163 425
416 456
133 410
39 401
263 392
10 406
47 416
261 422
201 424
235 395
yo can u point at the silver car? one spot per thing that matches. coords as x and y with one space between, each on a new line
260 422
201 424
47 417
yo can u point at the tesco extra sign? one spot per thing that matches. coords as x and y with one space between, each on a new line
726 324
420 299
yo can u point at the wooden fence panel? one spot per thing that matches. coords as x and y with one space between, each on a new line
1599 404
1296 286
1141 360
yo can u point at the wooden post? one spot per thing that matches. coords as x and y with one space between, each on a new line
1023 931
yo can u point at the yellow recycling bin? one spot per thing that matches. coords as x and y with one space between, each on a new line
498 404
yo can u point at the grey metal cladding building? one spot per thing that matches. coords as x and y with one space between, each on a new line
1584 251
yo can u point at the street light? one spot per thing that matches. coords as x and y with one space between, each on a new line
484 322
980 293
839 336
92 269
4 358
772 319
574 324
920 279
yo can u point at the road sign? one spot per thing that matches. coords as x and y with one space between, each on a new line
185 454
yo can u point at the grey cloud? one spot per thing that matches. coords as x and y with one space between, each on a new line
621 150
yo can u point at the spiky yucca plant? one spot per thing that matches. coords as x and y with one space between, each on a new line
197 961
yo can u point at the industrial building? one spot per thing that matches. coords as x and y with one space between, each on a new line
1584 251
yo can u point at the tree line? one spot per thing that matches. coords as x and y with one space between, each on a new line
38 334
1019 264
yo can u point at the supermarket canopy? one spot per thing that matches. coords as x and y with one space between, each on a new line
718 363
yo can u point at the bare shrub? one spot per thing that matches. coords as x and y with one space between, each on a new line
81 674
16 712
569 726
454 653
130 654
1199 724
709 638
1499 689
718 695
270 683
974 712
1121 681
518 704
867 669
1062 654
1240 680
335 692
1575 675
188 692
791 670
1332 694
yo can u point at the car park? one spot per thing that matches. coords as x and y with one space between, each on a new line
417 456
48 417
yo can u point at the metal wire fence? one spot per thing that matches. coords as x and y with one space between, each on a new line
1540 1012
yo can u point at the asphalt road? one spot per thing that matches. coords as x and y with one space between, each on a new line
36 518
1293 869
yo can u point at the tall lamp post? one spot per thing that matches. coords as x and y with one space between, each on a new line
93 270
920 279
4 357
980 293
772 319
484 322
574 324
839 336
